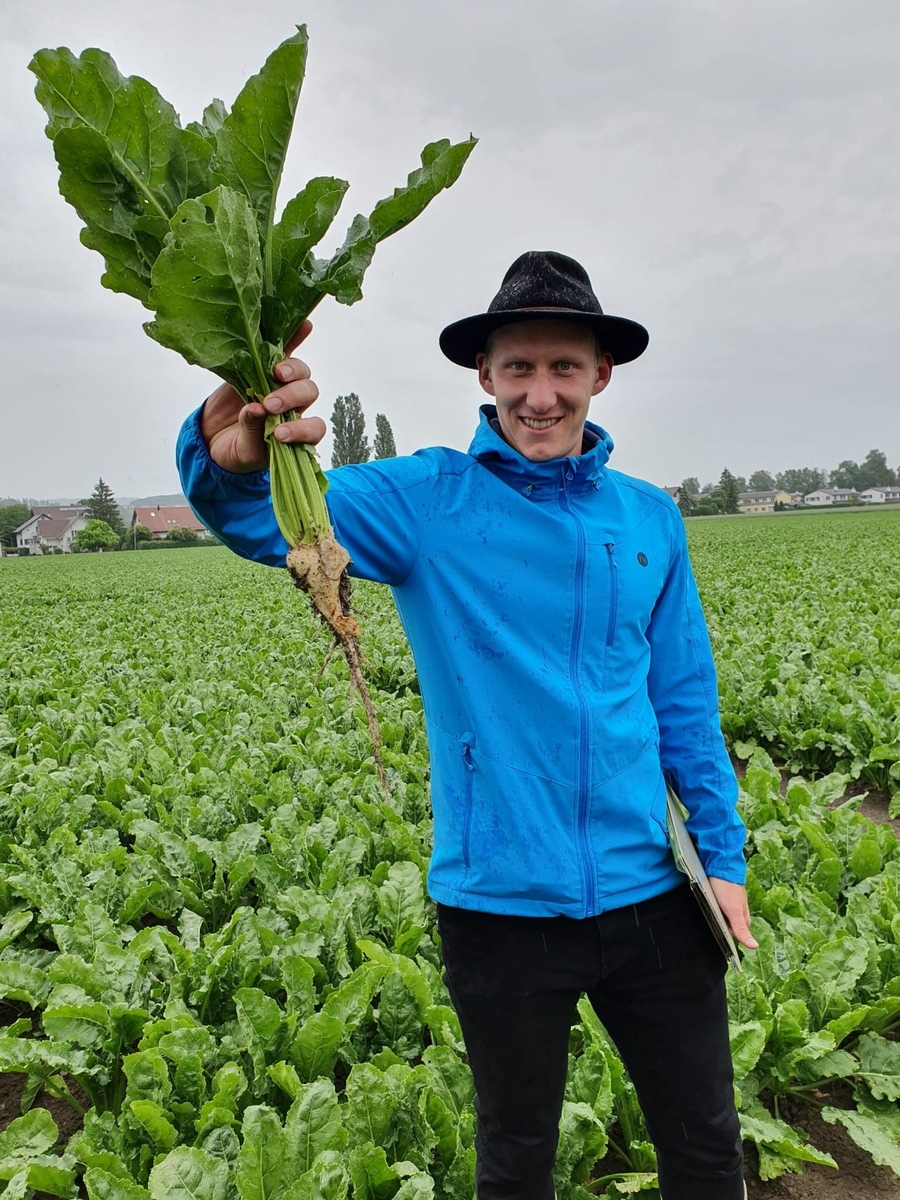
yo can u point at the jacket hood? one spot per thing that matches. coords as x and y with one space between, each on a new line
490 448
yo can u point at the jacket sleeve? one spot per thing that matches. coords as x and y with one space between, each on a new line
237 508
379 510
684 695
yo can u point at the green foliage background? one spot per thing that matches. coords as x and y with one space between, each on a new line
214 934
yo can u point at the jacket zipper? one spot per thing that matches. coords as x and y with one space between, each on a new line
469 765
613 593
575 654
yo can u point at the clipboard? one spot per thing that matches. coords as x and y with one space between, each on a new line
687 860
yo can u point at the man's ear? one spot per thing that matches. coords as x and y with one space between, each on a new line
604 374
484 373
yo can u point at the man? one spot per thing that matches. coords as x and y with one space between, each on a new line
564 666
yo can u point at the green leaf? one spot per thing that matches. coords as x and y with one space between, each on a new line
869 1133
103 1186
262 1165
26 1137
18 981
152 1119
14 923
328 1180
350 1001
401 901
879 1066
125 164
313 1124
207 287
783 1145
306 219
315 1046
451 1078
342 275
252 140
189 1174
747 1044
259 1021
81 1024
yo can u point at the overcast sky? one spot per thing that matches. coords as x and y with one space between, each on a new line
728 173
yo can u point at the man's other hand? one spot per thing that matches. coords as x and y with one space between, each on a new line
235 432
732 898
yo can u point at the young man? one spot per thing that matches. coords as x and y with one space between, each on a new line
565 670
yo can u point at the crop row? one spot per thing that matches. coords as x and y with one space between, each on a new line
215 943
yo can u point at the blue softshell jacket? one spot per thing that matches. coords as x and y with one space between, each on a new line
562 654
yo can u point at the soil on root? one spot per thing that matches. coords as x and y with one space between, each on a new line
320 570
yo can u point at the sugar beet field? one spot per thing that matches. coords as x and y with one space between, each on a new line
219 972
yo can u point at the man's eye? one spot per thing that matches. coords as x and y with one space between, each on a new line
566 366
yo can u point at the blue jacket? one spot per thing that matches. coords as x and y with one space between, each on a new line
563 661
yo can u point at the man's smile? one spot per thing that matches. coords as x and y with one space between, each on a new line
543 423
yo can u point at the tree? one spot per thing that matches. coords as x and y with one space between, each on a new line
182 536
133 535
101 506
385 446
11 517
874 471
800 479
729 491
348 425
846 475
761 481
687 499
96 535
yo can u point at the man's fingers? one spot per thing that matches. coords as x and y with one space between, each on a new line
297 395
308 430
298 336
732 898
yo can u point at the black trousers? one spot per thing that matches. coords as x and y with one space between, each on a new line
655 977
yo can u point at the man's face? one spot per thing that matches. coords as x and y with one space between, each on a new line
542 375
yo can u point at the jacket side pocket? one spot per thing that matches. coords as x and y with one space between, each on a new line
468 741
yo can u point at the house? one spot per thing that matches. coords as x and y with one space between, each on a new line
830 496
880 495
51 527
161 520
674 492
759 502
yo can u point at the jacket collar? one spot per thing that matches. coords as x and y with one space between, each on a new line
588 469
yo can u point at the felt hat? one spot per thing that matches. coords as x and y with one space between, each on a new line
542 285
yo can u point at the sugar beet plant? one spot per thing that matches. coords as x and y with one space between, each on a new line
185 218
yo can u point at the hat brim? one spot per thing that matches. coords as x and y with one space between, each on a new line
464 340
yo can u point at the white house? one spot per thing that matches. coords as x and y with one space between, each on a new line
51 527
830 496
880 495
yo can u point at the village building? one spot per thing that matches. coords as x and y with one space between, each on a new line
51 527
880 495
762 502
161 521
831 496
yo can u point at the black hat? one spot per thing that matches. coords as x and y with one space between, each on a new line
542 285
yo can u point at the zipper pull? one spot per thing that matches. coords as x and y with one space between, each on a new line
467 743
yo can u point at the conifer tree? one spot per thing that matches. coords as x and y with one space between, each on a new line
348 426
101 506
385 446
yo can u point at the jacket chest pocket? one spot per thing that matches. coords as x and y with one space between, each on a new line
625 587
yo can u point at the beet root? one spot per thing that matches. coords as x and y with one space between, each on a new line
320 570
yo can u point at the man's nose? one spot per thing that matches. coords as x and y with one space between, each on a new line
542 395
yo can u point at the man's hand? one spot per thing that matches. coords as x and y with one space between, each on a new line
235 432
732 898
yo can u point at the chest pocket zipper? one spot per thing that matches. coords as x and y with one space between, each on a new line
468 741
613 593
